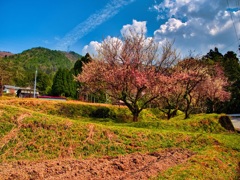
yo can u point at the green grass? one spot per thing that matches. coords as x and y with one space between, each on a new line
75 130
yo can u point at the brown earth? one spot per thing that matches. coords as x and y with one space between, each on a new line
131 166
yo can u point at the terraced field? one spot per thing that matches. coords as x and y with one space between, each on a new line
73 140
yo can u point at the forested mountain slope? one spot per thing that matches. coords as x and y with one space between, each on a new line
43 59
21 67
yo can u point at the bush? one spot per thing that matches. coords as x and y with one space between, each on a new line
101 112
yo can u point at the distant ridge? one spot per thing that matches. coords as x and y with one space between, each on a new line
5 54
46 60
20 69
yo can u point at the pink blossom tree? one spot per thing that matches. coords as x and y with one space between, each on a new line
172 97
130 70
196 83
190 72
214 88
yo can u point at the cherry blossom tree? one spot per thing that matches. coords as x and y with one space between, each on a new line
190 72
214 88
131 70
197 83
172 97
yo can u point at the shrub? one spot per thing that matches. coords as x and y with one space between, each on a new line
101 112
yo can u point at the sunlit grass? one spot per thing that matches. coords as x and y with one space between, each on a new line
53 130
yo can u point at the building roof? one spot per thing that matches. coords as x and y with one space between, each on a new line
11 87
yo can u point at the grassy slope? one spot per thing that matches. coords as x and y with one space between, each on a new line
35 129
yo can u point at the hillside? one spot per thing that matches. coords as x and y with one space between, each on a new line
43 59
74 140
19 69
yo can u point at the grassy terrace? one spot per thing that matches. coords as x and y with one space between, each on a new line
33 129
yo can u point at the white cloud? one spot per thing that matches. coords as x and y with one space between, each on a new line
82 29
195 26
138 26
92 48
172 25
198 24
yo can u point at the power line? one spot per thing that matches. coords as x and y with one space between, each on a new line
230 45
238 9
235 29
234 26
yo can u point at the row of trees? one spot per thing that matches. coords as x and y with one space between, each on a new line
131 70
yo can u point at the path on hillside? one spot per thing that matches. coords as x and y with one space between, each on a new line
235 118
131 166
236 122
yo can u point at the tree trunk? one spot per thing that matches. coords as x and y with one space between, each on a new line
186 114
174 113
187 109
135 116
133 107
188 104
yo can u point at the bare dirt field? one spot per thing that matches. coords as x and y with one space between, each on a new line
131 166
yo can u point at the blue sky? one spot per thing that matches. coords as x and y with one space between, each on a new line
79 25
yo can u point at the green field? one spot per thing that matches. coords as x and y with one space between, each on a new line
36 129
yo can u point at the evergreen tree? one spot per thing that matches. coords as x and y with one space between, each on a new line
232 69
58 86
77 69
44 83
63 84
72 85
214 55
80 62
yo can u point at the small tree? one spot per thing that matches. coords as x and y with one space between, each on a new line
214 88
198 82
171 96
130 70
190 72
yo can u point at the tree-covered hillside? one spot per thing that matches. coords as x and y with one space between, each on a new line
43 59
22 67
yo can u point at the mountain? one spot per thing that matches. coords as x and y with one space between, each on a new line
43 59
72 56
21 67
5 54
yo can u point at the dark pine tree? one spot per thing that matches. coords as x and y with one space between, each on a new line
64 84
58 85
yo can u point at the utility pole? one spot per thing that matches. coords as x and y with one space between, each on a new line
35 84
1 85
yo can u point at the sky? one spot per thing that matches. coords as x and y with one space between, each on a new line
195 26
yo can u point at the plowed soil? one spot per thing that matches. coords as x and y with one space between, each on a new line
131 166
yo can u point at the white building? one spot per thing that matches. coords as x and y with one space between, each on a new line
10 89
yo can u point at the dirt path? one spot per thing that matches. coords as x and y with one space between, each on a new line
132 166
